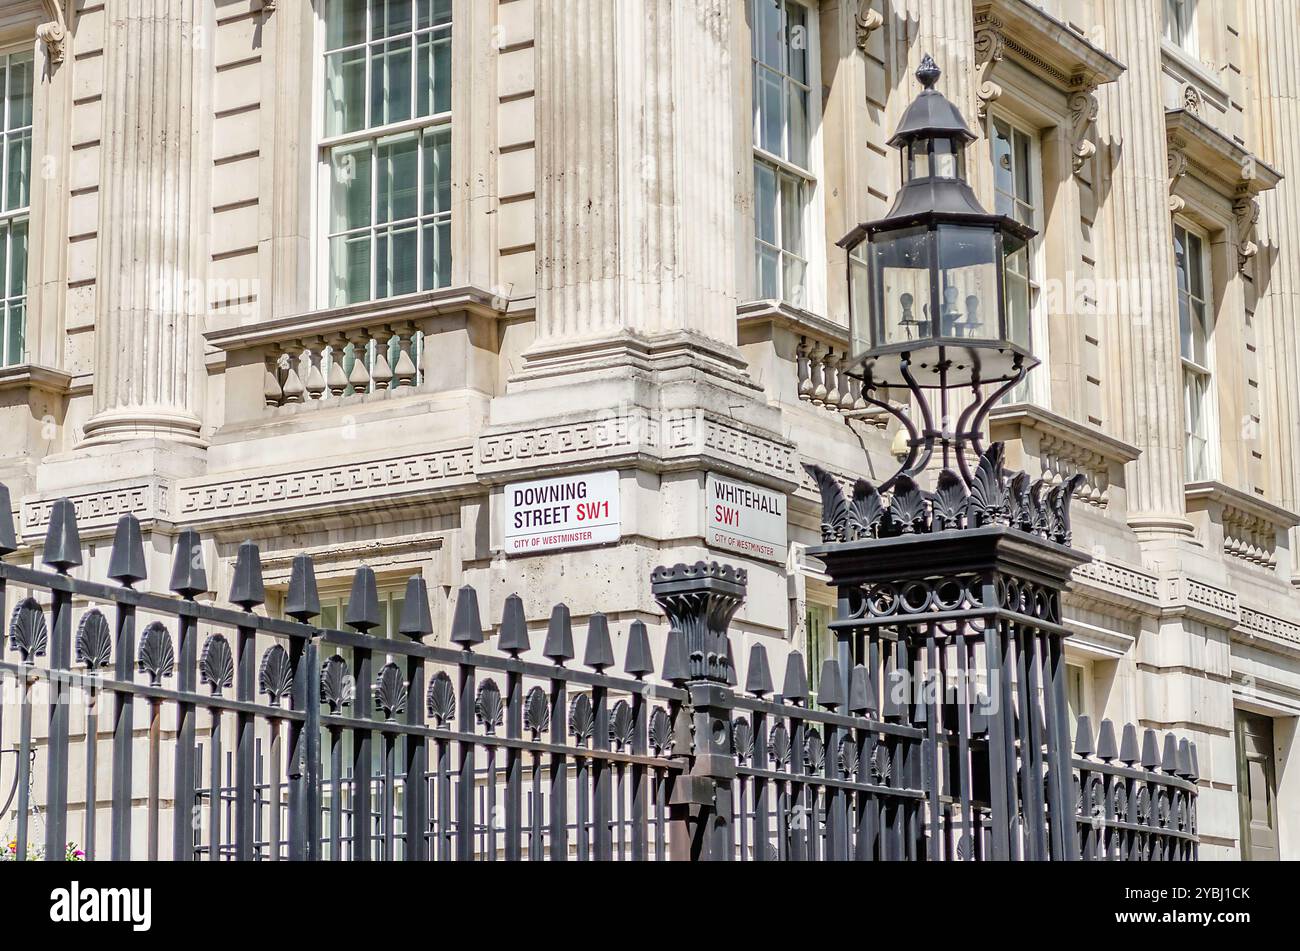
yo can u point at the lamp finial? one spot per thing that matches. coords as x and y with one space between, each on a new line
928 72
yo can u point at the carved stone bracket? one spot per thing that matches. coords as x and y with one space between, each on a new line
990 48
268 7
1177 172
54 34
867 22
1246 211
1083 110
1192 99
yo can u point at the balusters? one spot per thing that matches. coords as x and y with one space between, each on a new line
318 369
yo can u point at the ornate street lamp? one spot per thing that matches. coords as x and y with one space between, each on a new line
949 287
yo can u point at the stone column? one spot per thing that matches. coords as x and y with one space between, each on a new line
152 243
1274 40
636 232
1136 235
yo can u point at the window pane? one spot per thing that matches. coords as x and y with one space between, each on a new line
395 261
18 160
397 178
794 279
1200 338
350 269
437 255
437 172
346 23
797 39
345 91
1024 149
1185 325
20 91
15 321
792 214
765 203
350 192
1196 265
767 111
389 18
433 13
390 83
798 127
433 74
767 32
17 259
769 270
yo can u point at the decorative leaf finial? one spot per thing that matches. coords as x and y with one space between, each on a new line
94 640
156 658
390 692
275 677
217 664
337 686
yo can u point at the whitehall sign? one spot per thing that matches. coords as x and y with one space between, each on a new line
745 519
571 512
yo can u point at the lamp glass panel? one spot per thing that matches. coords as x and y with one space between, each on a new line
968 282
900 274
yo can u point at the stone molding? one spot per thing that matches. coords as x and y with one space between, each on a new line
1050 50
1065 448
148 501
1251 526
1257 624
329 485
1225 167
671 439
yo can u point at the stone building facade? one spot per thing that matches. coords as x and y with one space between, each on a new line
343 275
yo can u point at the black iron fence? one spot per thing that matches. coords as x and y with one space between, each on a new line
200 732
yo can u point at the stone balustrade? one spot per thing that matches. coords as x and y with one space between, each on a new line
435 342
1058 449
366 359
1245 527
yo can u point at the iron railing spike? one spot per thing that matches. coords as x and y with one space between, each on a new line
1083 744
126 560
362 612
416 621
513 638
302 602
8 536
599 651
639 661
467 623
758 676
247 589
189 578
559 636
795 686
62 540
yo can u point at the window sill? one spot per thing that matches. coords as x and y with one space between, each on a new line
31 376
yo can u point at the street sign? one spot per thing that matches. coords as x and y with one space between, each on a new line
570 512
745 519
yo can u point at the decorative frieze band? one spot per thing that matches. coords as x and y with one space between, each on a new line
329 484
103 509
638 431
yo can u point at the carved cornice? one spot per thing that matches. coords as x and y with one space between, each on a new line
867 21
1050 50
1224 166
54 34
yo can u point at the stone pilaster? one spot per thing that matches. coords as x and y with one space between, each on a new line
151 293
636 233
1273 36
1136 237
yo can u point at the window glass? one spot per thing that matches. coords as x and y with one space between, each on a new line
387 63
16 72
783 132
1195 328
1180 23
1017 184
